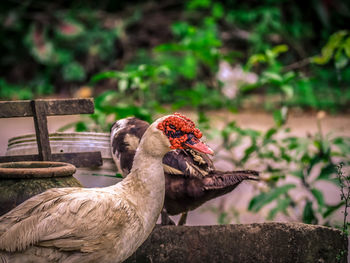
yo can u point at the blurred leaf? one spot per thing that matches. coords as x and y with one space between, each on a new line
288 76
341 61
305 91
104 75
298 173
326 172
276 50
328 50
311 162
343 144
81 127
193 4
255 59
280 116
347 46
270 133
189 67
218 10
308 214
259 201
332 208
318 196
223 218
73 72
285 155
273 78
282 205
248 151
288 90
123 85
169 46
182 29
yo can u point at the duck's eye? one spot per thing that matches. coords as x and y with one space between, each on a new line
178 134
172 126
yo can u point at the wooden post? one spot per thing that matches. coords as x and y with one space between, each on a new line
41 131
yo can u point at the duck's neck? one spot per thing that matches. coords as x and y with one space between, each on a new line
146 181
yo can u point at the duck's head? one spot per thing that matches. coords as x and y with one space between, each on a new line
182 133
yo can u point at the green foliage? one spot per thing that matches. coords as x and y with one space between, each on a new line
65 45
265 23
265 198
192 62
273 78
73 72
134 95
38 86
320 90
180 72
338 48
282 156
344 182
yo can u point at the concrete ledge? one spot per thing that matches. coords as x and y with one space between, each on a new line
243 243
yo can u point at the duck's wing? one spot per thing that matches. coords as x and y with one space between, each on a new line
185 194
188 163
71 220
125 137
42 201
220 179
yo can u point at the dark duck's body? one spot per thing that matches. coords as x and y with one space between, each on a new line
190 177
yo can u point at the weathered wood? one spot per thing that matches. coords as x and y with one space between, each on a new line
22 108
41 131
41 108
80 159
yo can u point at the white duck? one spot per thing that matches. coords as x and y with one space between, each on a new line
97 224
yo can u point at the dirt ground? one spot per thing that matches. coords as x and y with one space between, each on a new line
235 202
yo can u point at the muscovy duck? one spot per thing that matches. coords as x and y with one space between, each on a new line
98 224
190 176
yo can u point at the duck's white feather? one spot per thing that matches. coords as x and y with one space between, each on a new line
90 224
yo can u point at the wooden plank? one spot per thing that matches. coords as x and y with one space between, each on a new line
41 131
19 108
69 106
19 158
22 108
80 159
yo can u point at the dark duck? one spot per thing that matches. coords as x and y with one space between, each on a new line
190 175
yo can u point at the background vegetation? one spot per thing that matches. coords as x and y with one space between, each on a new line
152 56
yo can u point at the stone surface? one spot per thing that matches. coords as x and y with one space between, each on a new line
266 242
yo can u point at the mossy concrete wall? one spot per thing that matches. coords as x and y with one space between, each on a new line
243 243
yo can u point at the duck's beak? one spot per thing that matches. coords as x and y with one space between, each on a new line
196 144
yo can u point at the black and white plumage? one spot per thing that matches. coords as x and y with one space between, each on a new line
190 177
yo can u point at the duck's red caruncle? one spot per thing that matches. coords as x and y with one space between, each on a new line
178 122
